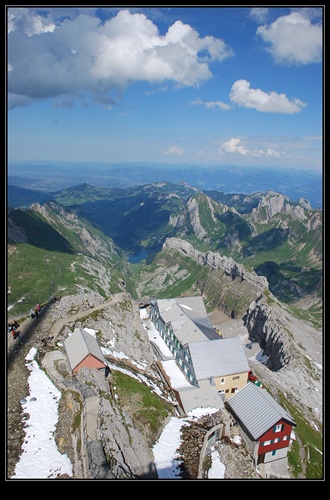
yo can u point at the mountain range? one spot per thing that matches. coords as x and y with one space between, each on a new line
53 176
120 235
257 259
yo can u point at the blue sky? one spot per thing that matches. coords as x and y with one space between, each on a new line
179 85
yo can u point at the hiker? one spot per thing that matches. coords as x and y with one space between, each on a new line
38 307
32 313
12 324
36 312
15 333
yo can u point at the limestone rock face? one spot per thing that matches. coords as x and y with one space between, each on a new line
177 221
193 210
305 203
216 261
126 448
268 329
273 203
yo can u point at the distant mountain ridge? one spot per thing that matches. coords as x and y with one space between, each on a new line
50 176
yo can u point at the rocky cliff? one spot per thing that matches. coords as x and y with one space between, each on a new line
265 323
266 326
217 261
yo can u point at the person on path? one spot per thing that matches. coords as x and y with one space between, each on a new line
32 313
16 333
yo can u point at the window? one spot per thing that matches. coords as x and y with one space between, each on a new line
221 391
222 381
278 428
277 440
273 453
235 378
265 443
234 389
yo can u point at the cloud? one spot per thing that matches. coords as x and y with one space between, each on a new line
15 101
174 150
210 104
22 20
51 58
260 14
293 39
244 96
233 146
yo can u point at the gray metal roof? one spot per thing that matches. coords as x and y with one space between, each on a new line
193 307
188 318
79 345
204 396
187 332
218 358
257 409
206 327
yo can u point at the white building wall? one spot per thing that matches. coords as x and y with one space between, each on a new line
281 453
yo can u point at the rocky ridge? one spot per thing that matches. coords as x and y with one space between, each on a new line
126 445
216 261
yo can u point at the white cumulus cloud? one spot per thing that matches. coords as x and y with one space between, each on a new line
272 102
234 146
82 54
174 150
293 39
